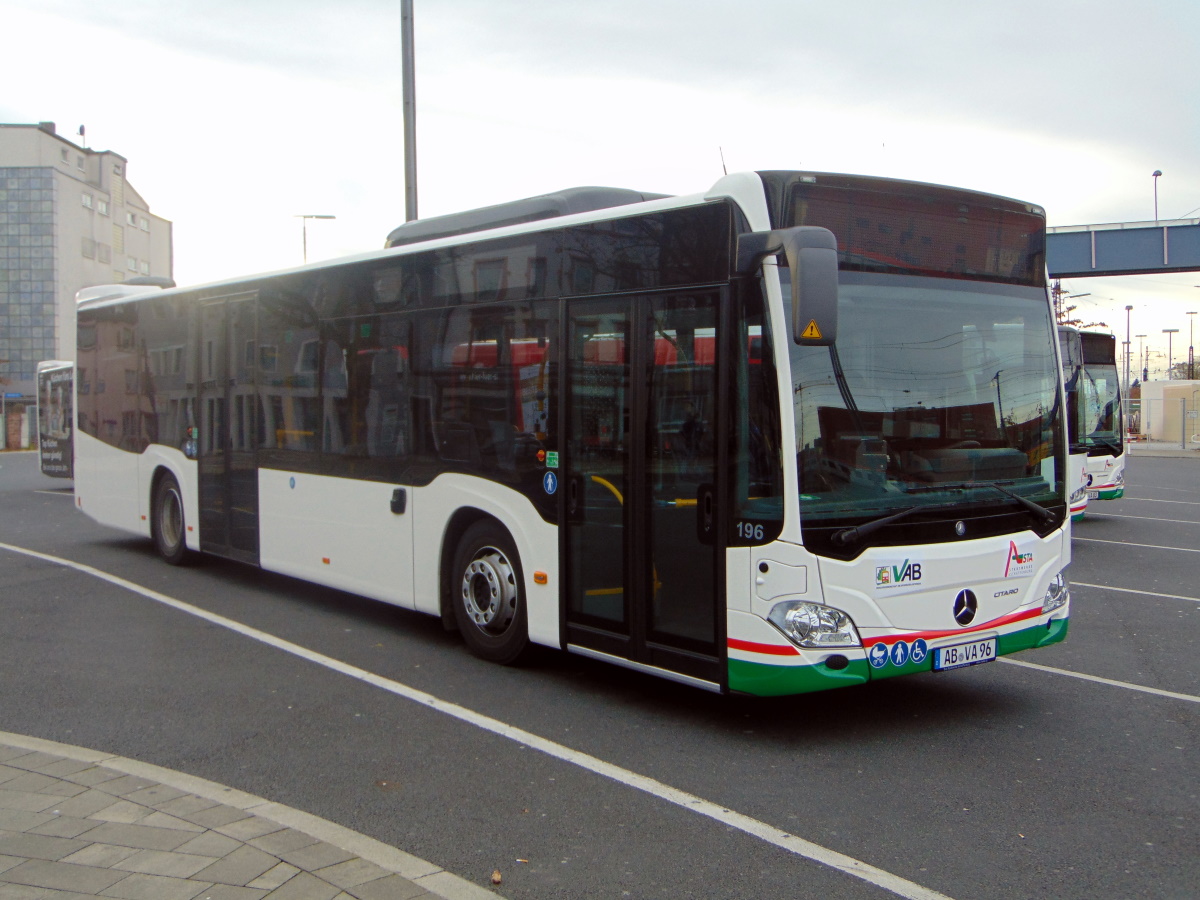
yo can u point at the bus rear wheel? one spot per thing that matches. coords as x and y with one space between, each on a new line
488 594
166 521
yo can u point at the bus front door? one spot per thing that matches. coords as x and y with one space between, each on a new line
640 478
226 415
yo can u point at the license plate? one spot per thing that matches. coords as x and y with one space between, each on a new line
1093 495
960 655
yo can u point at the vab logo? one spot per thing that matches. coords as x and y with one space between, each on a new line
897 576
1018 563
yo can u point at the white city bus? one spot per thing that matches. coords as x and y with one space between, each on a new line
796 432
1071 349
1102 418
55 419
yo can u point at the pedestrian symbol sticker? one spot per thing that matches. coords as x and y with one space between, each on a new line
812 332
878 656
550 482
919 651
899 653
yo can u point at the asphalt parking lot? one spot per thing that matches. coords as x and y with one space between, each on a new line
1066 772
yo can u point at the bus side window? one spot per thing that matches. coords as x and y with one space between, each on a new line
756 444
482 379
289 359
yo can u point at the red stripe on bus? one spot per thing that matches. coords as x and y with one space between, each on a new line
788 650
934 635
771 649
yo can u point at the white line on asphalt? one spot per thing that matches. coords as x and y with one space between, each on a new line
56 493
1108 515
1128 544
1109 587
1163 490
761 830
1096 678
1152 500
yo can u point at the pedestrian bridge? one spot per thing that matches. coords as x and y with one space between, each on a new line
1127 248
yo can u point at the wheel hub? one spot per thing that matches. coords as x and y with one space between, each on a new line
489 591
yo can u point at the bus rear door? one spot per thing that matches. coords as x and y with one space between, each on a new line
227 415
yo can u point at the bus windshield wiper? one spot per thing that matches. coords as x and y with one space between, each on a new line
1040 511
846 535
1106 442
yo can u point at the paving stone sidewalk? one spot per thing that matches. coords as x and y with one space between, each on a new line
78 824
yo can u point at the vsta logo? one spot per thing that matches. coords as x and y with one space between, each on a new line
1018 563
897 576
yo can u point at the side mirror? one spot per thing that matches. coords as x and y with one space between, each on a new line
811 255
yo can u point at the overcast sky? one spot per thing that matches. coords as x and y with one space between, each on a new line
238 116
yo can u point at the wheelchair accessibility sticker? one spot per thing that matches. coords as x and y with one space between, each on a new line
898 654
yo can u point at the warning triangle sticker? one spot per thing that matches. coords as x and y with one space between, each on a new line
812 332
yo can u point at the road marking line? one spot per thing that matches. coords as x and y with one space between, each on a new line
1096 678
1153 500
1128 544
1109 587
761 830
1108 515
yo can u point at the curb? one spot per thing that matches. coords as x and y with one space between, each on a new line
431 878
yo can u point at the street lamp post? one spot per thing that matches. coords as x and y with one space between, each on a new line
1128 344
1191 349
304 228
1157 174
409 88
1141 355
1169 332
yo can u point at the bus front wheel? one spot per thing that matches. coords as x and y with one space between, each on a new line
166 521
488 594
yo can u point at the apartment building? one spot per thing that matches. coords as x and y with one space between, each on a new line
69 219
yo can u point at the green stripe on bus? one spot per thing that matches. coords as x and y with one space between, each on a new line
765 680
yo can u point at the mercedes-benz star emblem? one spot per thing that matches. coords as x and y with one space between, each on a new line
960 528
965 607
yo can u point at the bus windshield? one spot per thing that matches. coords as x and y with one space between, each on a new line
941 391
1100 398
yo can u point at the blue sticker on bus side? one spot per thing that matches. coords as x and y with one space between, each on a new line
292 482
878 656
919 651
550 482
899 653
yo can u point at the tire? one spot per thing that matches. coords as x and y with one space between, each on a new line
166 521
487 591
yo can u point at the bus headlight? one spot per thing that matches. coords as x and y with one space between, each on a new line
813 626
1058 593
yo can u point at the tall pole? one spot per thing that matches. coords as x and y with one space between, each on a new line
1157 175
1128 345
410 110
1169 332
1191 348
1141 356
